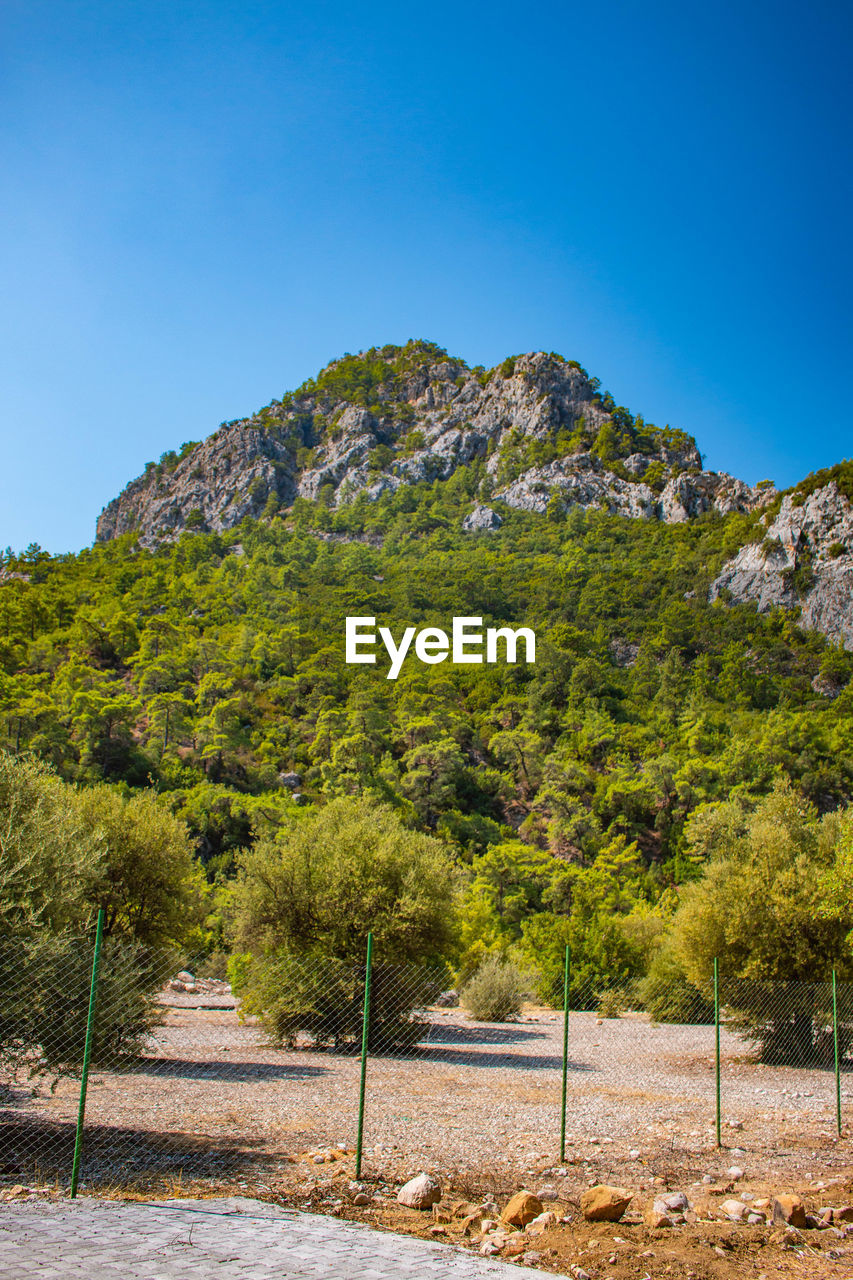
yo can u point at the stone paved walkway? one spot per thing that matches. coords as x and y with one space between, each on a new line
230 1239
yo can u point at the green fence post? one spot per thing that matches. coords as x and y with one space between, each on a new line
717 1048
837 1059
565 1053
87 1052
364 1036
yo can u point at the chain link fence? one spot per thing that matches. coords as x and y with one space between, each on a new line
195 1073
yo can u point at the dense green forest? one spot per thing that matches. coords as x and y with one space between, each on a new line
573 796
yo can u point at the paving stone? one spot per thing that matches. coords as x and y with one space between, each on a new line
233 1238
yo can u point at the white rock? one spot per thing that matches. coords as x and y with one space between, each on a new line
481 520
421 1192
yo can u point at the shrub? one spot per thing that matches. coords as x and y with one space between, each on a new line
304 905
668 996
611 1002
323 999
496 991
44 1002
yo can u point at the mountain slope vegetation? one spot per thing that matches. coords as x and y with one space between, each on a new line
572 794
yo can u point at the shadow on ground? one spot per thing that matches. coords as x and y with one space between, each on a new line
188 1069
34 1149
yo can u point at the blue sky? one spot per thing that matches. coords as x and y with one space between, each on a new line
203 203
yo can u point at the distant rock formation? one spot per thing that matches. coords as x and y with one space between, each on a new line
537 425
805 561
542 437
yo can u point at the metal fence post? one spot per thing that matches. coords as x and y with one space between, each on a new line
565 1052
837 1059
717 1048
87 1053
364 1037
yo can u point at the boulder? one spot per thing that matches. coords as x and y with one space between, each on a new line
790 1210
481 520
735 1210
604 1204
522 1208
657 1218
421 1192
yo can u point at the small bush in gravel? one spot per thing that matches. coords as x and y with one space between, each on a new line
496 991
611 1003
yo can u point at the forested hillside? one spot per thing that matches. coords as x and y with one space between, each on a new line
572 794
213 666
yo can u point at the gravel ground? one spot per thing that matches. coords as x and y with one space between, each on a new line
211 1098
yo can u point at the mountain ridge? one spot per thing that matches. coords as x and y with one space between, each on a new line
535 433
538 424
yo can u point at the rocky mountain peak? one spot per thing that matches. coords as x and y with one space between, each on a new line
538 426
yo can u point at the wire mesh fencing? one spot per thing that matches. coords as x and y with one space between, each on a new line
384 1069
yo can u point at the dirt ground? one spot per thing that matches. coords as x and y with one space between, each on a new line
211 1097
703 1248
212 1109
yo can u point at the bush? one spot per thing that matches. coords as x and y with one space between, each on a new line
667 995
304 905
339 872
323 999
44 1003
611 1002
496 991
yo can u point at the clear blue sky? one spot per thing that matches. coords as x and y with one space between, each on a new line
203 203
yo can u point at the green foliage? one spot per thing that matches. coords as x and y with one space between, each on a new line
46 848
611 1003
146 877
336 874
841 474
775 903
211 673
303 906
495 992
668 995
373 375
66 852
44 1003
63 854
563 792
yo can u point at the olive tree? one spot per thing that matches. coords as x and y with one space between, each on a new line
65 853
763 908
304 903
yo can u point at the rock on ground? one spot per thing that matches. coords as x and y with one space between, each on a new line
604 1204
522 1208
421 1192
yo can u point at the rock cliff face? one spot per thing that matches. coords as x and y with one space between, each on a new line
805 560
536 425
